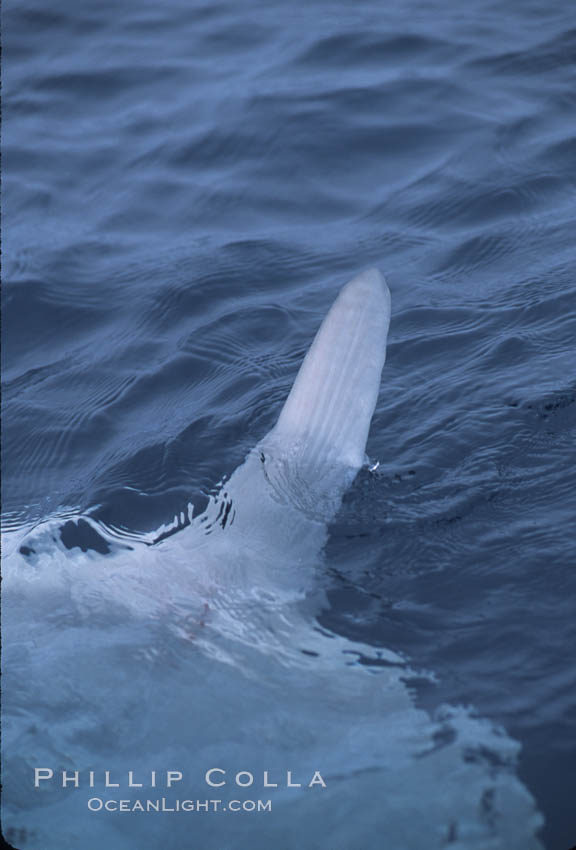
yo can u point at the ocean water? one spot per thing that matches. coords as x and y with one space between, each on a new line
186 187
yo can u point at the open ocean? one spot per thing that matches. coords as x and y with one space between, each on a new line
186 187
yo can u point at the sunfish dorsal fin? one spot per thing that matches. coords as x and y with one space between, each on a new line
327 415
291 485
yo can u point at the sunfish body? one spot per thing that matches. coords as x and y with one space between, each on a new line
203 651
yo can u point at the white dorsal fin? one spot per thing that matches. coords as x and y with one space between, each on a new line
329 409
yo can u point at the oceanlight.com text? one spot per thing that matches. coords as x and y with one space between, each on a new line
98 804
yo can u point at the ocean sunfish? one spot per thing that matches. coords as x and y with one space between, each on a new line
200 651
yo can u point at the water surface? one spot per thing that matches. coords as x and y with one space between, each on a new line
185 189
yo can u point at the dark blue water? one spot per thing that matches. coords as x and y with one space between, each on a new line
187 185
